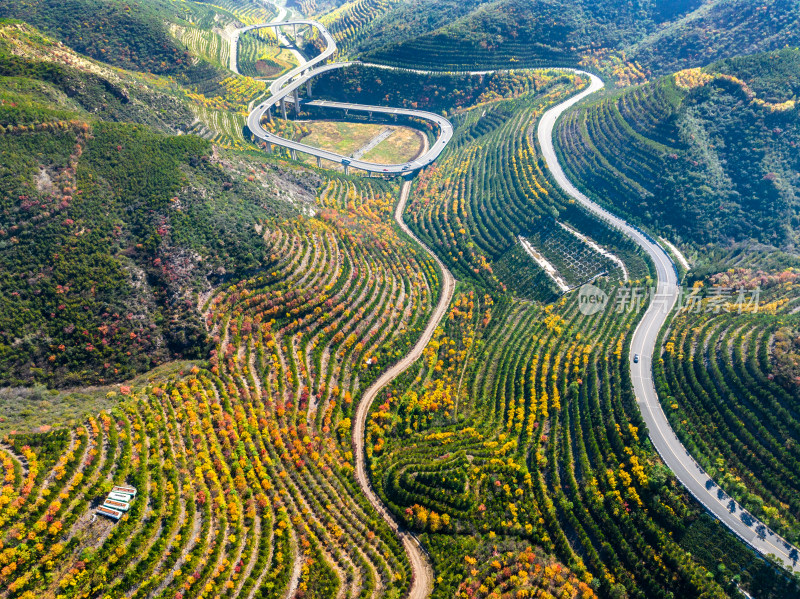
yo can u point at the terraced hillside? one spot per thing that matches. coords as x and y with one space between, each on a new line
207 101
717 380
518 425
115 226
705 155
513 450
352 23
248 12
361 24
513 429
490 189
520 33
436 92
158 36
260 56
208 45
243 467
628 42
511 34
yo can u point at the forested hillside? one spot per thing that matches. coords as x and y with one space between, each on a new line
626 41
705 155
720 29
449 93
228 372
125 34
517 33
366 24
57 78
108 231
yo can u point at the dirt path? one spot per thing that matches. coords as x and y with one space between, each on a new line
422 584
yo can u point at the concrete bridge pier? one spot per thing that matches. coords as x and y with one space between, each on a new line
296 95
293 153
269 147
370 115
283 108
346 169
268 114
319 162
308 88
294 30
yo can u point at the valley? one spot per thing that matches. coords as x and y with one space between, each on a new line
351 309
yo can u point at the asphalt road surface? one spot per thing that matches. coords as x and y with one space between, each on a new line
234 53
689 473
675 456
284 87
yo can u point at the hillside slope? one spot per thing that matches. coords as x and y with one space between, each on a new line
719 29
108 230
514 447
123 244
515 33
126 34
627 41
705 155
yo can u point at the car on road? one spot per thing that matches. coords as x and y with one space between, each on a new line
635 358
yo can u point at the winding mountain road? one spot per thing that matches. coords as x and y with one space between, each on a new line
675 456
234 53
288 87
422 584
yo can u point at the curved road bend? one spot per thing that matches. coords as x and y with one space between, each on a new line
688 472
677 458
423 573
234 51
292 81
234 42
